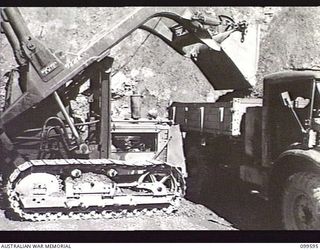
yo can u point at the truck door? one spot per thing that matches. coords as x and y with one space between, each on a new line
288 111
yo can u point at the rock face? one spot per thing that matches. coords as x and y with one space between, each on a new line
289 38
291 42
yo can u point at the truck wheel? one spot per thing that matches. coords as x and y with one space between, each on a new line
301 202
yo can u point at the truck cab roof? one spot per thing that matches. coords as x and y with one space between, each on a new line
291 75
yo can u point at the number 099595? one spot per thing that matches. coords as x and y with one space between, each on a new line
309 246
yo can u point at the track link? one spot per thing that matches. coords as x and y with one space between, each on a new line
101 213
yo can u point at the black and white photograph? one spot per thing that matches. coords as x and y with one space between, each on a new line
160 118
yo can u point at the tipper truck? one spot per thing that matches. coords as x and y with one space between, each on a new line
271 143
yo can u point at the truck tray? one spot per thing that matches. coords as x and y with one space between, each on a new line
221 118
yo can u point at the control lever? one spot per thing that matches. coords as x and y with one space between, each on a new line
290 104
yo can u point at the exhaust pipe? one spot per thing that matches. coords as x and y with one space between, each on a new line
135 103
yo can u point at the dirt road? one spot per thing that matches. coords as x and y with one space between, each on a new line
229 198
191 216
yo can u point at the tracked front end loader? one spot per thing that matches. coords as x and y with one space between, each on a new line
57 166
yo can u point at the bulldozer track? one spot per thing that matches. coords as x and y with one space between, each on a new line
93 213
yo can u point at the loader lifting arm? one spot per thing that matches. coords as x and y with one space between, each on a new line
44 73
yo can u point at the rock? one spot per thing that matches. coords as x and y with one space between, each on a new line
289 38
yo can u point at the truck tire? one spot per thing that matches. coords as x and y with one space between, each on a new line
301 202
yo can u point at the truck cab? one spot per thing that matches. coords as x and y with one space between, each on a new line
291 112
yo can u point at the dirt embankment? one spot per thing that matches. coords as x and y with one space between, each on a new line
142 61
289 39
291 42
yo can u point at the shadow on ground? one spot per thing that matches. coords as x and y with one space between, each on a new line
230 199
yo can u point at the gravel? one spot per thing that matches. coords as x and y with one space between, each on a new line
190 216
